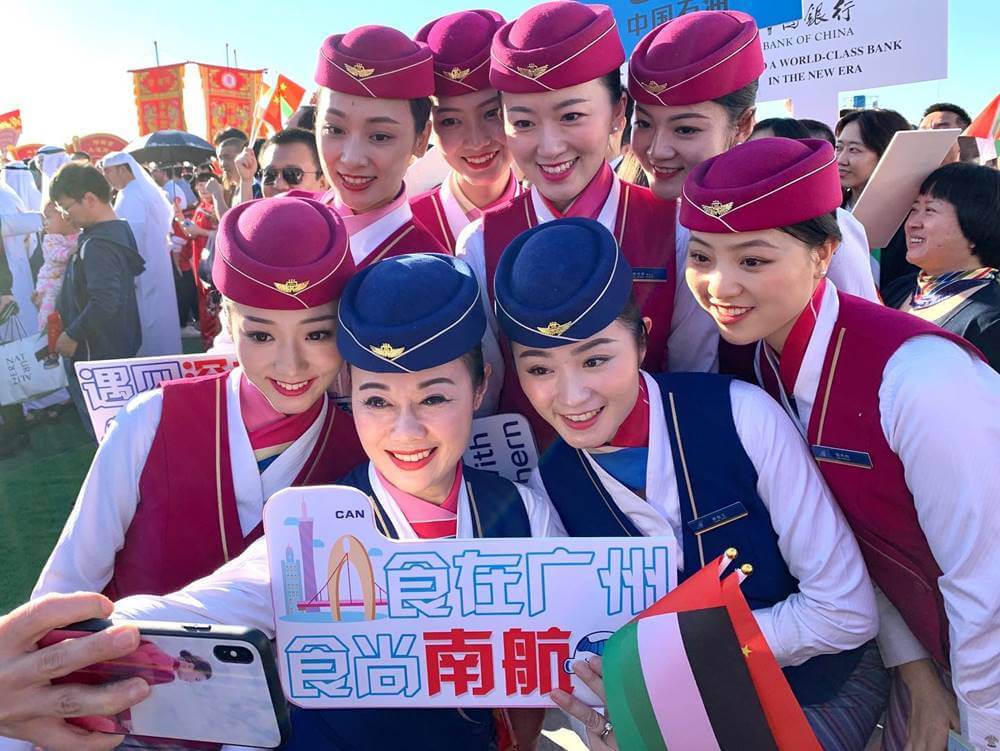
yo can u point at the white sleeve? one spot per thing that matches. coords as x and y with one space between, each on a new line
545 522
237 594
130 208
469 247
940 410
896 642
693 344
84 556
834 609
851 266
21 223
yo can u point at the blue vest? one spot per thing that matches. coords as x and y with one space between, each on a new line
497 511
722 509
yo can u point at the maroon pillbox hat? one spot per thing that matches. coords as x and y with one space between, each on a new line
762 184
696 57
460 43
376 61
284 253
554 46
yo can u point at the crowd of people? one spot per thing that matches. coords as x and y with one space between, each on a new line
676 296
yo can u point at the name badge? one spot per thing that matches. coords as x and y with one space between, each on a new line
646 274
861 459
717 518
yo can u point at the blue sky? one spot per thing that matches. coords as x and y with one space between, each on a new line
64 62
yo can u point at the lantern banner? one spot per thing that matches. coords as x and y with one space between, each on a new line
10 129
99 145
159 98
364 621
230 97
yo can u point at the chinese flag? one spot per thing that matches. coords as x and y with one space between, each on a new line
285 99
694 671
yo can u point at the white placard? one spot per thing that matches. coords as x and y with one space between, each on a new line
890 191
847 45
363 621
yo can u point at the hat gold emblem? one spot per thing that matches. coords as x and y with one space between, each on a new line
654 88
358 70
458 74
387 351
717 208
291 287
534 71
554 328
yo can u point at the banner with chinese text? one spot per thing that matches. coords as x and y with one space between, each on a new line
10 129
26 150
159 98
231 95
636 18
364 621
99 145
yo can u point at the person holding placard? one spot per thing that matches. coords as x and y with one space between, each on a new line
953 236
467 126
899 415
694 81
556 67
410 327
373 119
706 459
179 481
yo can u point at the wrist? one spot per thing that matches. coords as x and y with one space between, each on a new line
919 674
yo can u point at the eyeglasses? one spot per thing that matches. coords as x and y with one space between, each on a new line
291 175
63 209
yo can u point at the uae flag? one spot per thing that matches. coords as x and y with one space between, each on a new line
694 672
986 130
284 100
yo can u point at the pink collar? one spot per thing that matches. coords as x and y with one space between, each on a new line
265 425
591 199
473 212
356 222
418 510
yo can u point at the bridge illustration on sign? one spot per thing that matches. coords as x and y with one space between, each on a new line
348 551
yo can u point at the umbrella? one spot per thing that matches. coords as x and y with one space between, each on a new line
169 147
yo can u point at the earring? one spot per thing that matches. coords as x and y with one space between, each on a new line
614 128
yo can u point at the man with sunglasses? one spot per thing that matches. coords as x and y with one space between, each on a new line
289 160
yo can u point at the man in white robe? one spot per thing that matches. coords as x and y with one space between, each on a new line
21 181
144 206
18 228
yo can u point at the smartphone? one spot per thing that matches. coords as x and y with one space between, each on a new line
213 684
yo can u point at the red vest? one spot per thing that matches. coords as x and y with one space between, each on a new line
644 228
186 524
411 237
876 500
428 212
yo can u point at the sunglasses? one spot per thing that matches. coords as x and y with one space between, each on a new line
291 175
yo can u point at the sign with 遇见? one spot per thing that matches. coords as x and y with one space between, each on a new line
364 621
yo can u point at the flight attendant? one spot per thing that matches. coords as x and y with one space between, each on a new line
372 121
557 69
898 413
179 481
704 458
410 327
466 126
694 81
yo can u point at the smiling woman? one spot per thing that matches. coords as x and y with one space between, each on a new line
666 454
204 454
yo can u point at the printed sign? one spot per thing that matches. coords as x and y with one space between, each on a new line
500 443
846 45
636 18
363 621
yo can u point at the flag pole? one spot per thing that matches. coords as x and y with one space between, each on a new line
156 53
227 54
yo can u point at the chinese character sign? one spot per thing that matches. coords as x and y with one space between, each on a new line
636 18
363 621
230 97
159 98
99 145
108 385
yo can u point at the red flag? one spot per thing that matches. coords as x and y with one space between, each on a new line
986 130
159 98
231 96
284 100
10 129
